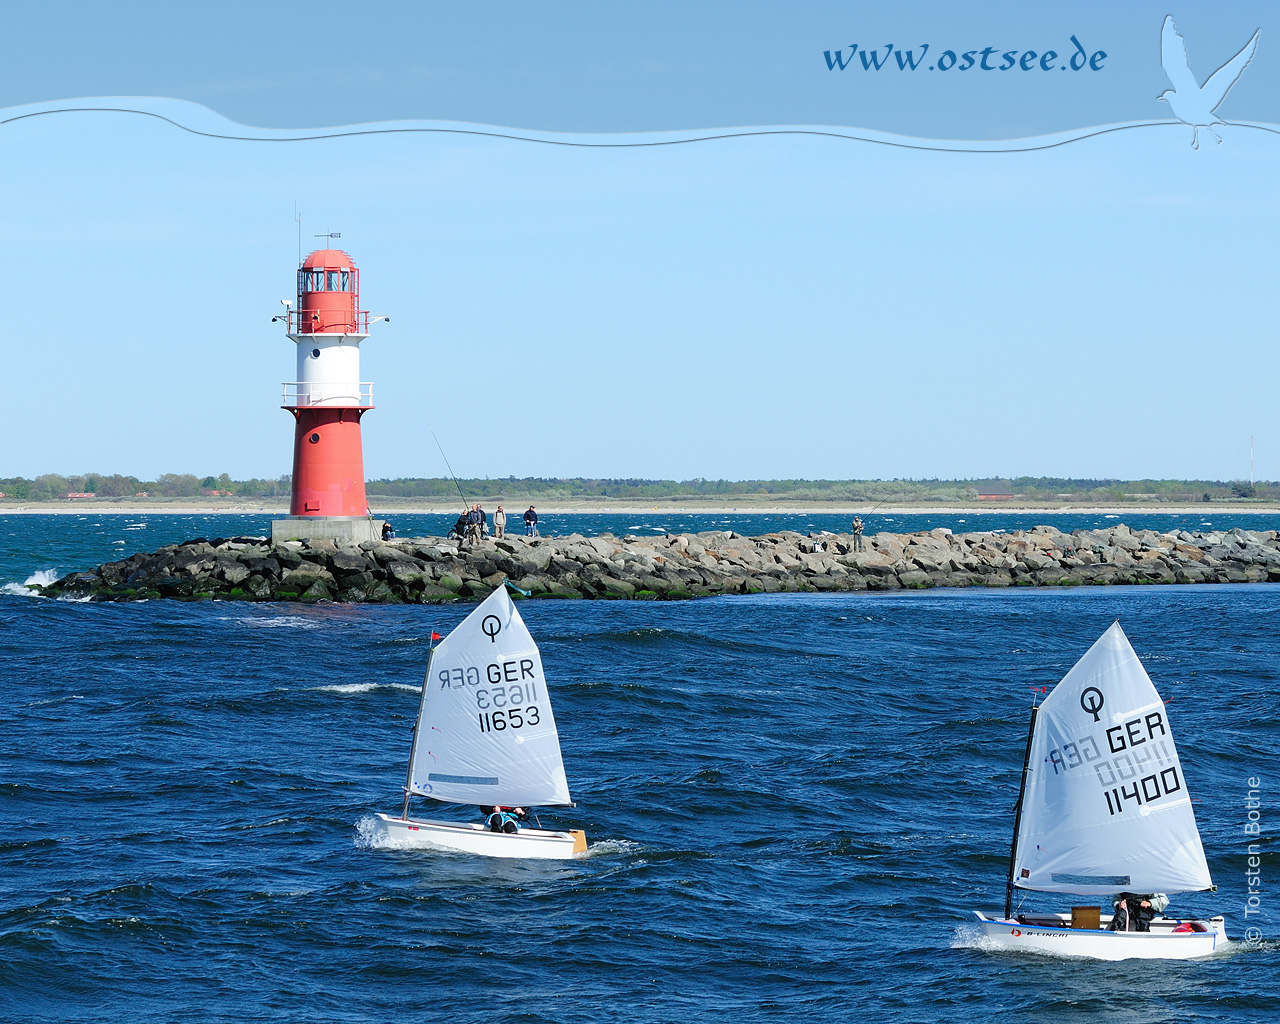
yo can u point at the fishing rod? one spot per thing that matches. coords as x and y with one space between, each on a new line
447 466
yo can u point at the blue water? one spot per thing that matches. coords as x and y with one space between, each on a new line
793 802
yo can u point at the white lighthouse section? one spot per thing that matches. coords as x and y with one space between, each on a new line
329 370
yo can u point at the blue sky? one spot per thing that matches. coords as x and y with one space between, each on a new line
776 307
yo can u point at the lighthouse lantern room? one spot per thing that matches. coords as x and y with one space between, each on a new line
327 400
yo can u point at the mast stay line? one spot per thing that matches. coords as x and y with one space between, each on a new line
1017 817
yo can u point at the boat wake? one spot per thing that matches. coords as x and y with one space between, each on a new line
612 848
971 936
370 835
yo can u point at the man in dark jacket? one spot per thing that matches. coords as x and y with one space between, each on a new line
531 523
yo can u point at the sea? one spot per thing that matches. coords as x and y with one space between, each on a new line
793 801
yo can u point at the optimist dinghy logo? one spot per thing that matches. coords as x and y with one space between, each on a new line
491 626
1093 705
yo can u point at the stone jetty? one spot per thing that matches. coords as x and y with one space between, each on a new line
429 570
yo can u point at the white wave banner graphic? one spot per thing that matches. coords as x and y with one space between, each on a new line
199 120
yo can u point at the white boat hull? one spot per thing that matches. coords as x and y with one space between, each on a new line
1052 933
468 837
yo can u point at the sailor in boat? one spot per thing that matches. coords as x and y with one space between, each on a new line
506 819
1134 911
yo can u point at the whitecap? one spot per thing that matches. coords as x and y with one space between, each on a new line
263 622
363 687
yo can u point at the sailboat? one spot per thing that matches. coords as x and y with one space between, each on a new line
1103 809
486 736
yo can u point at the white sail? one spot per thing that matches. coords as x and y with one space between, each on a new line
1106 807
485 731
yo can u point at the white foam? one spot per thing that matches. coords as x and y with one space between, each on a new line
363 687
18 590
612 848
275 622
371 834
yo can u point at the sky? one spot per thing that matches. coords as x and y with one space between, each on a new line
769 306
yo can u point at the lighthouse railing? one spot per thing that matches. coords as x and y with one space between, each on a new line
311 321
298 394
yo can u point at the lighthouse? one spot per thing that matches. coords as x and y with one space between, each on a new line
327 400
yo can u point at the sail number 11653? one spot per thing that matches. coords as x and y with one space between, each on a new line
511 718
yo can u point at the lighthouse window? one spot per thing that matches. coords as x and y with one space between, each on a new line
333 281
312 281
346 280
315 353
314 439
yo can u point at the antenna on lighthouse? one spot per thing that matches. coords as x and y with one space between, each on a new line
298 217
330 234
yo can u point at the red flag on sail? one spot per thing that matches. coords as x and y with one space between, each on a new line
436 636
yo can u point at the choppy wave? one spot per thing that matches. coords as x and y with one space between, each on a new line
274 622
349 688
767 828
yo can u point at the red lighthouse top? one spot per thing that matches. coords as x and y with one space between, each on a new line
329 295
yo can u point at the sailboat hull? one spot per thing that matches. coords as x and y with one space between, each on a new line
467 837
1052 933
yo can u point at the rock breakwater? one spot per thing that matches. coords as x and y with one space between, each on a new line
429 570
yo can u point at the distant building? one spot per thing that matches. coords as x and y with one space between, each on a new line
72 495
993 490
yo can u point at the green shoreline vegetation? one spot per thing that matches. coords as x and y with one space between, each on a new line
53 487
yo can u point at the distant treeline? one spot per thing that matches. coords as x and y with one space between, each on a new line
51 486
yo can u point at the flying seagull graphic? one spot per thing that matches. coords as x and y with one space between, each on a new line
1191 102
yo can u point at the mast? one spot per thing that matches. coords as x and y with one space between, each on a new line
413 749
1017 816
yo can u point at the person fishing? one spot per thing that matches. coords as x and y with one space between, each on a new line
506 819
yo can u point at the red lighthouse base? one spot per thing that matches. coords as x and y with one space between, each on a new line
328 463
328 479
